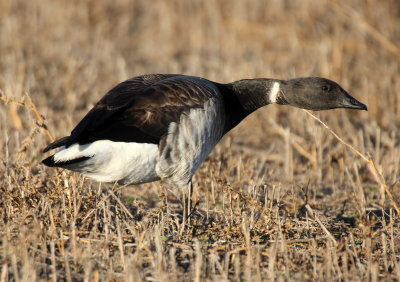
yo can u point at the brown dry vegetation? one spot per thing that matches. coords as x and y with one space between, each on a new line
251 221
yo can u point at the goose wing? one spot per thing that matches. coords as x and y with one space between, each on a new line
140 109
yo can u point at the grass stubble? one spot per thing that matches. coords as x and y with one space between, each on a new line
281 197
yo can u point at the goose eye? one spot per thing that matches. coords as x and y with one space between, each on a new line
325 88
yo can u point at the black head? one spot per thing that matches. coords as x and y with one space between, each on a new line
316 93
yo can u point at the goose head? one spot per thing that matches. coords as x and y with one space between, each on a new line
316 93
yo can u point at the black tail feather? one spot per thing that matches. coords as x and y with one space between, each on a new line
58 143
51 163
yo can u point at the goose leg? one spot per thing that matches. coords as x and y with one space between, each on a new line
163 195
187 203
189 200
185 213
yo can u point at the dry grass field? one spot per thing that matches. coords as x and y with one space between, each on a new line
279 198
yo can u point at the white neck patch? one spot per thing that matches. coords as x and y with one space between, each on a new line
273 95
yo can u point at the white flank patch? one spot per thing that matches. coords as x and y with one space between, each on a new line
273 96
189 142
113 161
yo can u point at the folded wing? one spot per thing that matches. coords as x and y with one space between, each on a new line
139 110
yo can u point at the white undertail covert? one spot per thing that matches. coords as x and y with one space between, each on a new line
125 162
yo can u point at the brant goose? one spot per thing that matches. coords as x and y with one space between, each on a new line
162 126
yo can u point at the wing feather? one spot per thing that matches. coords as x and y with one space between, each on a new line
140 109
